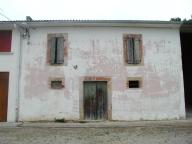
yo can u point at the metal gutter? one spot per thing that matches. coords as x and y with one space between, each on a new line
95 23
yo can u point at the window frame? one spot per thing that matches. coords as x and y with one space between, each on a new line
65 48
125 49
57 79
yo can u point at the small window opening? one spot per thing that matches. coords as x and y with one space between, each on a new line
57 84
133 84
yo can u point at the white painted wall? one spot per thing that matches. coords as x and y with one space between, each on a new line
9 63
98 51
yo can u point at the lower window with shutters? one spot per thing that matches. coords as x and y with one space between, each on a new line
133 49
57 49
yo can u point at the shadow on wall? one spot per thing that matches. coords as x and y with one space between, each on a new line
186 47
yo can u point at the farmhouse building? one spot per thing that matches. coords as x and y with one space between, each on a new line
94 70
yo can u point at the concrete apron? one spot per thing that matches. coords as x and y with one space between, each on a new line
105 124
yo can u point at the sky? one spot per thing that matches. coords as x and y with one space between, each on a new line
95 9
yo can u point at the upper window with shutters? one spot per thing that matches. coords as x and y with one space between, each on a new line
5 40
133 53
57 49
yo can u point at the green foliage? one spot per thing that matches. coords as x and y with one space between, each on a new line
177 19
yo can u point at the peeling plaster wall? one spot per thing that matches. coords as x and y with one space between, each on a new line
9 63
98 51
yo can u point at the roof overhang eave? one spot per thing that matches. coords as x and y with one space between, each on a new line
89 24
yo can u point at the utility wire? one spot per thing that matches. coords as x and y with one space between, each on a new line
3 15
15 24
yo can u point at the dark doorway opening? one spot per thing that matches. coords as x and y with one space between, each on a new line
4 84
95 100
186 47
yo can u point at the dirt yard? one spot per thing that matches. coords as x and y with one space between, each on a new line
110 135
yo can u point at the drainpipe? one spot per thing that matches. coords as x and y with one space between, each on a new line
19 76
24 33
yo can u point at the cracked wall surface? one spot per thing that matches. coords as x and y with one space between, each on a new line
98 52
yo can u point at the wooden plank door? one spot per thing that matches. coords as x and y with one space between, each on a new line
95 100
4 84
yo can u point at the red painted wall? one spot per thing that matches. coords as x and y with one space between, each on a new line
5 40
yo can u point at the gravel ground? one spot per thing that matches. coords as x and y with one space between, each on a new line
128 135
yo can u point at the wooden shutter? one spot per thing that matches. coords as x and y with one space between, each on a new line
53 50
5 40
60 50
130 50
137 50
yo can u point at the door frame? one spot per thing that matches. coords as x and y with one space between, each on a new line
109 94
